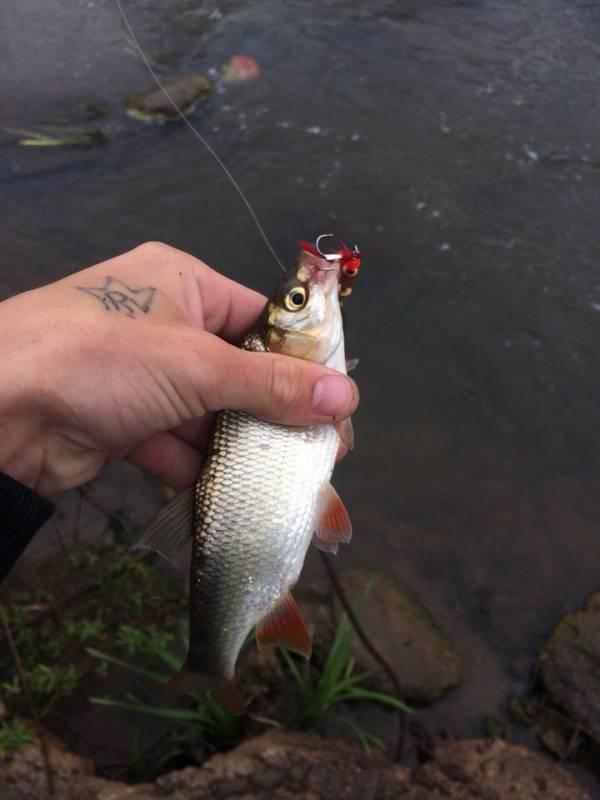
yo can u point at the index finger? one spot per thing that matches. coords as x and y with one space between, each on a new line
230 309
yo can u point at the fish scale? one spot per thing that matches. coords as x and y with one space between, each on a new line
256 503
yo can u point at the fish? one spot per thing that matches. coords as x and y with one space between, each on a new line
263 494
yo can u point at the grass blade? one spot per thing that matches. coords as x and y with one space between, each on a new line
174 714
367 694
157 677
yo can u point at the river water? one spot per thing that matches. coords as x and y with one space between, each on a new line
458 140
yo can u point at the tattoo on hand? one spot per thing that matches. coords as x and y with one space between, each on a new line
117 296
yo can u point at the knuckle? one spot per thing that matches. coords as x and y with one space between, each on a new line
155 251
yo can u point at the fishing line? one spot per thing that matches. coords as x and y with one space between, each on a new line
329 567
360 631
197 133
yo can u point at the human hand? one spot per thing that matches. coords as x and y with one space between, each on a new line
127 359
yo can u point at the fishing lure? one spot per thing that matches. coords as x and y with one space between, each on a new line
350 260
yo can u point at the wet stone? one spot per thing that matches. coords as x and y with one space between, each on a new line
425 661
185 91
568 666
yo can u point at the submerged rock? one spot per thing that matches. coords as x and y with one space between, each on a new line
425 661
154 105
240 69
568 665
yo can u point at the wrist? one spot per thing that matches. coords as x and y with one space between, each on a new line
21 450
21 439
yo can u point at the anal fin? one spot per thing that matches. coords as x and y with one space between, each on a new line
284 625
333 522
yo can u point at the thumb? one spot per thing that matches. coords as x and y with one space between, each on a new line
273 387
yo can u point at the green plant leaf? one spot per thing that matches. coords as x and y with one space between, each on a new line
379 697
336 684
13 735
174 714
367 739
157 677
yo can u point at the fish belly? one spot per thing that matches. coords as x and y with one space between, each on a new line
255 509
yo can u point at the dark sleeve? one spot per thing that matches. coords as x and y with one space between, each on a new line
22 512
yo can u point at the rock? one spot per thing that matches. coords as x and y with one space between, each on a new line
568 666
240 69
423 658
22 775
285 764
492 770
154 105
521 711
493 727
288 765
279 765
557 743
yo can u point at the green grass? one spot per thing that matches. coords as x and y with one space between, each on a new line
103 621
319 698
144 768
52 627
206 719
13 735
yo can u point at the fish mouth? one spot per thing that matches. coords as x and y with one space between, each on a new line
323 272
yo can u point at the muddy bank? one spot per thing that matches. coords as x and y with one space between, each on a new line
285 765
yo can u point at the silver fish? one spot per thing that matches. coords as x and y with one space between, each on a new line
263 494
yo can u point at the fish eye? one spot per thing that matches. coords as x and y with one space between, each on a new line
296 298
349 271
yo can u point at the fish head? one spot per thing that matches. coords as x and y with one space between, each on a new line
303 316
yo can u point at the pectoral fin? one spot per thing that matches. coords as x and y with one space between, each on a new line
345 431
285 626
333 522
169 533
